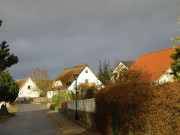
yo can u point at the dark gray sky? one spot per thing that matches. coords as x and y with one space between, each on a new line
56 34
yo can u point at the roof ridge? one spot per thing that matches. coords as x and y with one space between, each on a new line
78 66
72 70
158 51
22 79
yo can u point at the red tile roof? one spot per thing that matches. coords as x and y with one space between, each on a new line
154 64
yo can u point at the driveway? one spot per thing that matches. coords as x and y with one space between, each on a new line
30 120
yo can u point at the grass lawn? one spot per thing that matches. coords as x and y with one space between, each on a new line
12 109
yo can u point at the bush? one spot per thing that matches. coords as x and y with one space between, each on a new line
53 106
55 99
64 95
129 99
31 99
90 94
160 102
80 96
64 105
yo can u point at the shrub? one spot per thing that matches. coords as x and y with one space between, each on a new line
129 99
64 105
90 94
53 106
31 99
64 95
162 102
80 96
55 99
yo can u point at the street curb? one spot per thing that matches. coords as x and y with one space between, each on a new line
61 128
4 120
65 131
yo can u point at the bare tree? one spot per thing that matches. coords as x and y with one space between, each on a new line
41 78
105 72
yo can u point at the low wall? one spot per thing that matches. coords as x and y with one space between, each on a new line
86 109
88 118
87 105
40 100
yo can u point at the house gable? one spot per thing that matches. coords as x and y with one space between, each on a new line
67 75
28 88
21 83
166 77
121 68
86 75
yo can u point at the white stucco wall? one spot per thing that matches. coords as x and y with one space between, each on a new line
166 77
82 77
28 93
120 68
50 94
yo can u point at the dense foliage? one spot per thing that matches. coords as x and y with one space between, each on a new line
140 109
175 66
8 88
89 94
105 72
6 59
55 97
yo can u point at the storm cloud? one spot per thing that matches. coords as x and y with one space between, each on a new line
57 34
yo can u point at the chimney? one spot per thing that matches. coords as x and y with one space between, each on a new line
80 64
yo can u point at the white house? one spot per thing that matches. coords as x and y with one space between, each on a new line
122 67
27 89
66 81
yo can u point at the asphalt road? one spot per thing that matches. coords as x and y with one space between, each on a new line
30 120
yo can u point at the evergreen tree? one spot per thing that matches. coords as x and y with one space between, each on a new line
89 94
6 59
8 87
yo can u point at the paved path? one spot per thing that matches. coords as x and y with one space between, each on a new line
30 120
70 127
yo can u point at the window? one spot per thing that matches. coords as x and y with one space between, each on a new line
86 80
86 71
58 83
29 86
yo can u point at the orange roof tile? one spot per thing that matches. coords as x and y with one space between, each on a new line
154 64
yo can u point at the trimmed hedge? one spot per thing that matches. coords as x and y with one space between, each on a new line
155 109
55 97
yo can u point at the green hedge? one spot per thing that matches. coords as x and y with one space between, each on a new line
55 97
